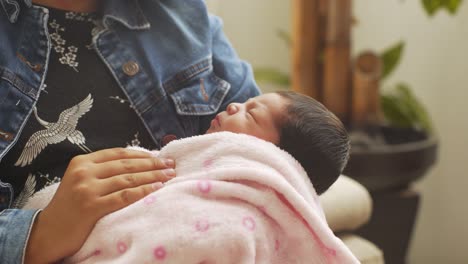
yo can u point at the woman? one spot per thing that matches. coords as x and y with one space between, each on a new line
79 77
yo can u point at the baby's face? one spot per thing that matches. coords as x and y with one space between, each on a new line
258 117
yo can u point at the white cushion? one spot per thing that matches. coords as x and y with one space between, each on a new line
365 251
347 204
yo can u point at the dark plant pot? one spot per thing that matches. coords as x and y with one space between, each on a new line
403 156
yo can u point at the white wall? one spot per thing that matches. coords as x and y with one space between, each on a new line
435 64
252 28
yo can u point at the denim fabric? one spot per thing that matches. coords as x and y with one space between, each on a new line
187 72
12 239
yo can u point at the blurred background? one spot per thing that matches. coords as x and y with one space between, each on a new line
434 64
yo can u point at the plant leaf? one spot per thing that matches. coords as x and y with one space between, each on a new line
431 6
401 108
270 75
417 110
452 5
393 113
390 58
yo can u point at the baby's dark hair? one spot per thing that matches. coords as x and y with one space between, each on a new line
315 137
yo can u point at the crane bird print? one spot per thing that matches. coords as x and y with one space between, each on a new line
54 133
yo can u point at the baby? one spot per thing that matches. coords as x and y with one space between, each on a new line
297 124
238 197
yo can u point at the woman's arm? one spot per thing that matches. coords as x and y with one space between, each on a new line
93 185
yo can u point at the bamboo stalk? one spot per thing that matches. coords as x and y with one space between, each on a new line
336 84
365 95
305 43
322 28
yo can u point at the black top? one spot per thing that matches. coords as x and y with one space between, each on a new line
81 109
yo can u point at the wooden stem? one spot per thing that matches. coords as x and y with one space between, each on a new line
365 95
305 53
336 83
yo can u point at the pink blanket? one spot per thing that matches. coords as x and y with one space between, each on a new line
236 199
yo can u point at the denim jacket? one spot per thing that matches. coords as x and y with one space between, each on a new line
170 57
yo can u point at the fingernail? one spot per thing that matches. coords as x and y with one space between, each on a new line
157 185
169 162
169 172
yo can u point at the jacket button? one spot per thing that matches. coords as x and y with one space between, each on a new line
131 68
168 138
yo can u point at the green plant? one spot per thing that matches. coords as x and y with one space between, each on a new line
400 106
403 109
432 6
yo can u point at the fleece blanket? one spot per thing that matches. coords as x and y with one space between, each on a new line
236 199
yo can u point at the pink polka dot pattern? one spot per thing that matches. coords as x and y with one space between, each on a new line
204 186
208 163
249 223
149 199
121 247
202 225
159 253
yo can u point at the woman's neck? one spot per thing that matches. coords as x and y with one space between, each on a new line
71 5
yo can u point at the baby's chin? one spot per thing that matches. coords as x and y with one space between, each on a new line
214 130
210 130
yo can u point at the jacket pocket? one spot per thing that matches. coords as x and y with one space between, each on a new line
197 90
16 101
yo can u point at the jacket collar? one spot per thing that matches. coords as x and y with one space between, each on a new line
126 12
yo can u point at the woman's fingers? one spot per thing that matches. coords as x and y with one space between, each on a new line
117 200
132 180
128 166
116 154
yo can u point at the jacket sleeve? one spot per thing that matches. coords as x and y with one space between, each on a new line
228 66
15 227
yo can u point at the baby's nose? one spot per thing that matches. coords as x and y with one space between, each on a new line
232 108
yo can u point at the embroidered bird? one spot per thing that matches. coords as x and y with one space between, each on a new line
64 128
28 191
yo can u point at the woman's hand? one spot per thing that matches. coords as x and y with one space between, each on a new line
93 186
